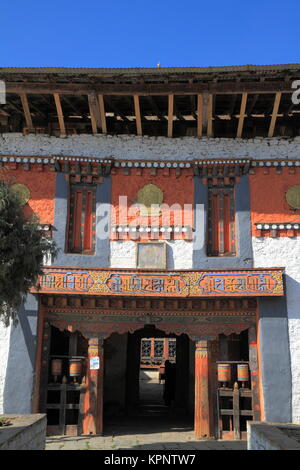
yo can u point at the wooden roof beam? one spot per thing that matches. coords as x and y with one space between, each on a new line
274 114
170 114
242 115
150 89
200 115
210 99
26 110
205 115
102 114
94 113
137 111
60 115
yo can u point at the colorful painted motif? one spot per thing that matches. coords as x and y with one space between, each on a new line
181 283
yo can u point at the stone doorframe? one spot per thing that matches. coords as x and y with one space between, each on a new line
97 324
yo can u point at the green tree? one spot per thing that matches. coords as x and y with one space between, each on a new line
22 250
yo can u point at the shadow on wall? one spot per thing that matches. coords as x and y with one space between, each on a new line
18 388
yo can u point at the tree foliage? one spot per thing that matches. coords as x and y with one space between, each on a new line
22 250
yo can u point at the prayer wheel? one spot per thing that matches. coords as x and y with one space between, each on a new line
56 367
224 372
75 367
242 373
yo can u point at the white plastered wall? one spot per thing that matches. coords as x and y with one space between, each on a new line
285 252
179 254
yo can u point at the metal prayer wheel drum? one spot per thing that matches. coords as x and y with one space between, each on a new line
242 372
56 367
75 367
224 372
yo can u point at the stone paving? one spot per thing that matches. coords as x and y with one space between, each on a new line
143 434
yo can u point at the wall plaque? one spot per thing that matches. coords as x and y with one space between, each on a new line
151 256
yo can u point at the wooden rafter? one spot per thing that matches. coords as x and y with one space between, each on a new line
170 115
210 115
199 115
242 115
26 110
102 114
94 113
60 115
274 114
137 112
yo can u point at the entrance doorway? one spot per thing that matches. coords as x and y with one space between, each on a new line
135 381
157 373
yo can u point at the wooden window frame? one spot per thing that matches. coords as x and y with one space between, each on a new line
87 228
216 217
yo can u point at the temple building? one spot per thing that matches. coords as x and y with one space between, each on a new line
173 195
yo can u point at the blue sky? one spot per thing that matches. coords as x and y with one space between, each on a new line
120 33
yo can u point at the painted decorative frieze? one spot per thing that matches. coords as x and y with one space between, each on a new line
259 282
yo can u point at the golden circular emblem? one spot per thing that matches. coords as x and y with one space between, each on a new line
150 197
293 197
22 192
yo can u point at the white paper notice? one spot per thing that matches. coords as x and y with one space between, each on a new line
94 363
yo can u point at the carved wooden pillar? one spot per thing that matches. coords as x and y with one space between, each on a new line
203 400
93 402
253 364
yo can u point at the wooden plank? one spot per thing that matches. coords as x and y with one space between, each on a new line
242 115
274 114
170 115
26 110
102 114
137 112
59 114
210 116
199 115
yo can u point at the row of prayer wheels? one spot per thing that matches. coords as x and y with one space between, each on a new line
224 373
75 368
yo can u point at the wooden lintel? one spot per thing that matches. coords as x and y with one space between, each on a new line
26 110
94 113
274 114
102 114
137 112
60 115
242 115
170 115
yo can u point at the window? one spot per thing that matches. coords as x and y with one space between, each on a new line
82 219
221 221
